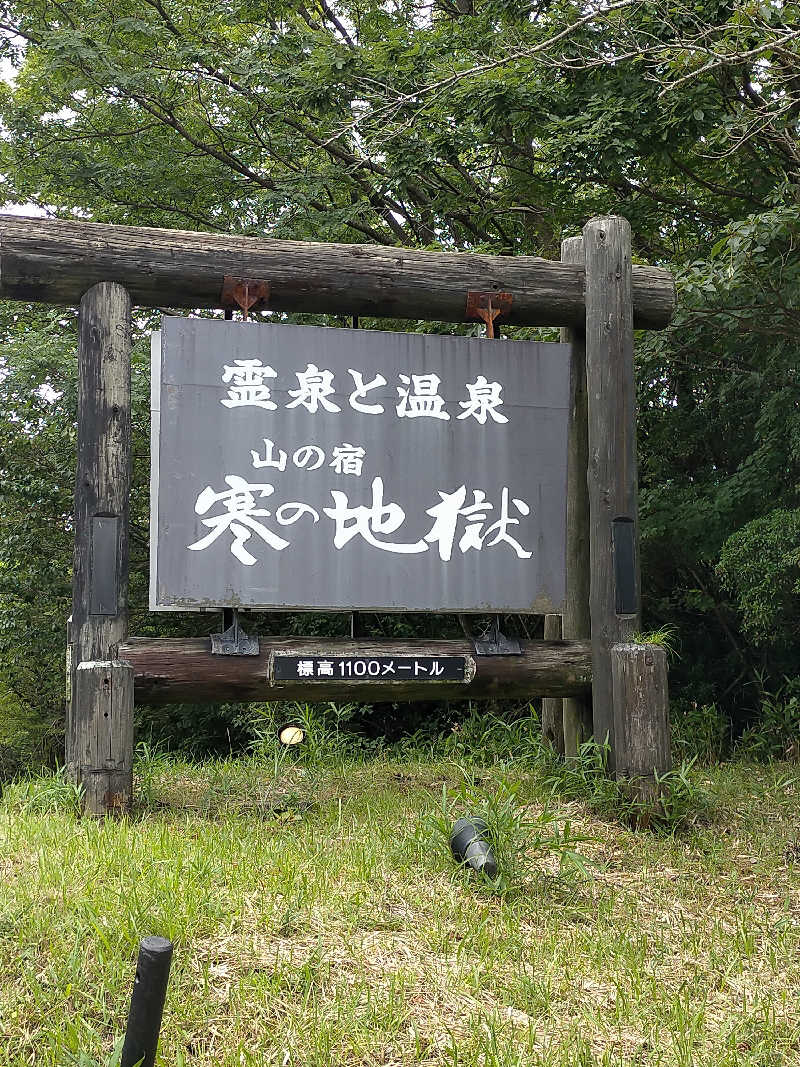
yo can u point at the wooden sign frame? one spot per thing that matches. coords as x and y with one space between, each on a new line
595 294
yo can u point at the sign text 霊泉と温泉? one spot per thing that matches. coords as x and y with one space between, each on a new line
304 467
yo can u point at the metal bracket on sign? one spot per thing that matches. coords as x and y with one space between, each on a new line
488 306
234 641
244 293
494 643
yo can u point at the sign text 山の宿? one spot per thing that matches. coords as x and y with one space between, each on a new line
305 467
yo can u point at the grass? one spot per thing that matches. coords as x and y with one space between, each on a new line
665 637
319 919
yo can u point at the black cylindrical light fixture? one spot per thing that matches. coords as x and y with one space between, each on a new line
469 843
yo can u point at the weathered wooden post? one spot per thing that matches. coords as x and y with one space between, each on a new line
100 718
612 479
576 622
639 682
552 712
628 693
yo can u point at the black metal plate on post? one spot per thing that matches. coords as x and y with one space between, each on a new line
104 576
315 668
623 533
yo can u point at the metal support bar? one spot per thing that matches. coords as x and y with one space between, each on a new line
233 641
245 293
494 643
488 307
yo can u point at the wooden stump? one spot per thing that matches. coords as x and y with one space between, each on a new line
639 679
104 735
552 712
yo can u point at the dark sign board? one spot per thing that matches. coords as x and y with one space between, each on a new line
314 668
304 467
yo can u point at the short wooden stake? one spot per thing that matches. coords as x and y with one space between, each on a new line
576 621
104 735
639 680
612 480
94 757
552 713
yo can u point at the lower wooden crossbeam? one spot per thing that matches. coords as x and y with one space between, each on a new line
169 670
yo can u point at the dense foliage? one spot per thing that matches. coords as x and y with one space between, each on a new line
493 125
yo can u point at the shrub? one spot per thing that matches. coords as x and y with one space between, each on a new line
776 732
699 730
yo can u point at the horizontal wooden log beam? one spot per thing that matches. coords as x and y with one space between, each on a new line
168 670
55 262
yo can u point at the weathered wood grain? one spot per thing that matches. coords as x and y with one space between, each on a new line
104 735
552 710
639 679
576 621
612 478
102 486
183 669
55 262
103 473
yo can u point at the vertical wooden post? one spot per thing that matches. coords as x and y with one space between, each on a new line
639 679
99 727
612 477
576 622
552 712
104 734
